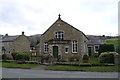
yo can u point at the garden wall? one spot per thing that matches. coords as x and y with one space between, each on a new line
117 59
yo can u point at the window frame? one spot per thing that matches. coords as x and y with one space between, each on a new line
74 46
95 48
46 47
59 35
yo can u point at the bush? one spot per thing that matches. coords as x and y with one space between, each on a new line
85 58
13 54
22 56
107 57
106 48
7 57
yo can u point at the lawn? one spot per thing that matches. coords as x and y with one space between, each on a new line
81 68
0 64
94 60
34 58
3 79
15 65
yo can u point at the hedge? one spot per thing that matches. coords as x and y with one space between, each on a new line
107 57
106 48
22 56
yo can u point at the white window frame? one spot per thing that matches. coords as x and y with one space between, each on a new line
73 46
95 48
59 35
45 47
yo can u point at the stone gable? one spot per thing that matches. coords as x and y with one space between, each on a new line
70 34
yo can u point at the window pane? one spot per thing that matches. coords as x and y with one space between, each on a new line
59 35
66 49
45 47
74 46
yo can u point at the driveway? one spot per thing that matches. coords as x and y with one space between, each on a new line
30 73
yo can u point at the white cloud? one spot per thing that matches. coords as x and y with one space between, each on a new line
35 16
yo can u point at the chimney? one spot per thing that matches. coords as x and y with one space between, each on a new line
23 33
6 34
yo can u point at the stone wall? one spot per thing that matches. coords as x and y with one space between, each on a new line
8 47
117 59
22 44
72 57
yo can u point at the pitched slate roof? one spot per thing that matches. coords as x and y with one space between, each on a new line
34 39
9 38
98 41
94 40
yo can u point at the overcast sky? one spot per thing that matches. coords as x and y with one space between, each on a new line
93 17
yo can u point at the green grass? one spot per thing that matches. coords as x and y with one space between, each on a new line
0 64
15 65
3 79
34 58
80 68
114 41
94 60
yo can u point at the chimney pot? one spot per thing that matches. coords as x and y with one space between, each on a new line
23 33
6 34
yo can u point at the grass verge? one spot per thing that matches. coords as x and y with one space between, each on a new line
15 65
94 60
81 68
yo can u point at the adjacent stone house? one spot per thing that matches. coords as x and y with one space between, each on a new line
64 41
1 45
14 44
93 46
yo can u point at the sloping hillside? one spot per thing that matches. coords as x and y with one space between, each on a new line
114 41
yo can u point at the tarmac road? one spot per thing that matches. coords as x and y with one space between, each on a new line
30 73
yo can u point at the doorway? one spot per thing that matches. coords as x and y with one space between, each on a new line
90 51
55 51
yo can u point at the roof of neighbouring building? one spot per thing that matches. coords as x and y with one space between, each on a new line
97 41
9 38
34 39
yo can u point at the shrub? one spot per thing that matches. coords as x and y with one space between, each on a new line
22 56
13 54
85 58
106 48
107 57
7 57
